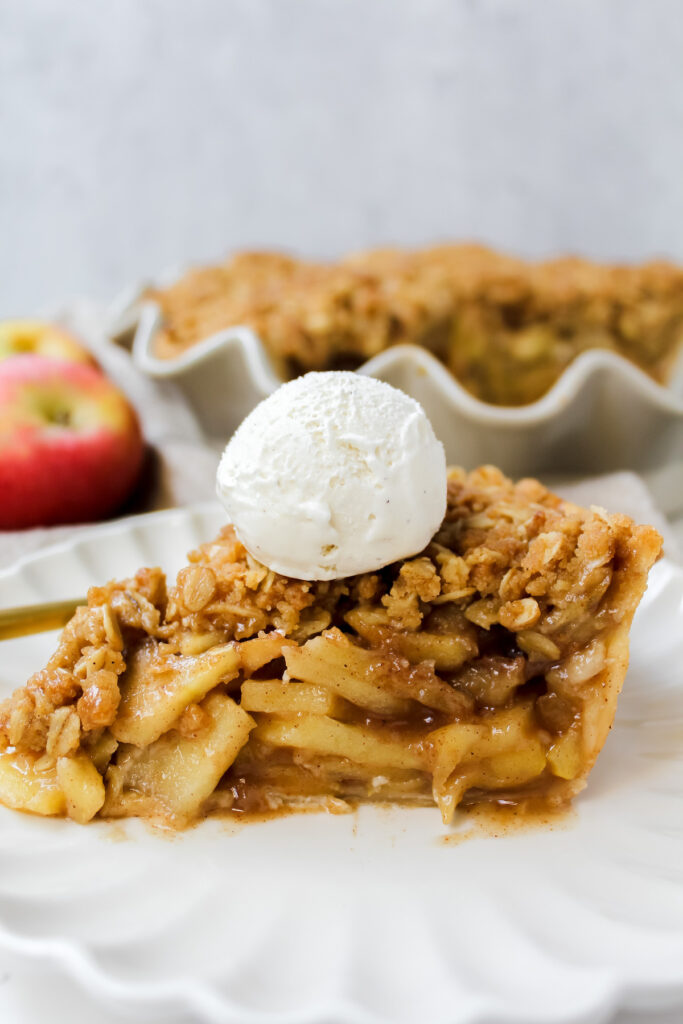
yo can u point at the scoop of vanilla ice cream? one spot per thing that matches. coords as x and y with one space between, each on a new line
334 474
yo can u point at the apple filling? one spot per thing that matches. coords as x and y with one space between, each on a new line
486 668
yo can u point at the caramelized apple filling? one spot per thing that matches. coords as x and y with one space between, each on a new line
485 668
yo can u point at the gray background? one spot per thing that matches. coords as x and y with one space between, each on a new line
138 134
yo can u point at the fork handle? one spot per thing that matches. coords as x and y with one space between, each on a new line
36 618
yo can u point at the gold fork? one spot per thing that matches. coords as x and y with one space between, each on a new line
36 618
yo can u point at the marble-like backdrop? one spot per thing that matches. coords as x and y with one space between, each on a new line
139 134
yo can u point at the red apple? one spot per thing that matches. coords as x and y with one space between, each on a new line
36 337
70 444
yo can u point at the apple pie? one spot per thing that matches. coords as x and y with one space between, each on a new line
486 668
506 328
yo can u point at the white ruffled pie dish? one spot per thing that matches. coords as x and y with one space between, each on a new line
367 918
604 413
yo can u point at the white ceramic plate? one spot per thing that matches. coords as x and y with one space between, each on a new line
368 918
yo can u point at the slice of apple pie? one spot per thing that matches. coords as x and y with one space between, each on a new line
487 667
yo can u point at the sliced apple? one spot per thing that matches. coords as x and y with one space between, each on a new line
82 786
175 775
323 735
447 650
24 787
333 661
157 686
273 697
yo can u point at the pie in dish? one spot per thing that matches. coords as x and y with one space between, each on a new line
486 668
506 328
